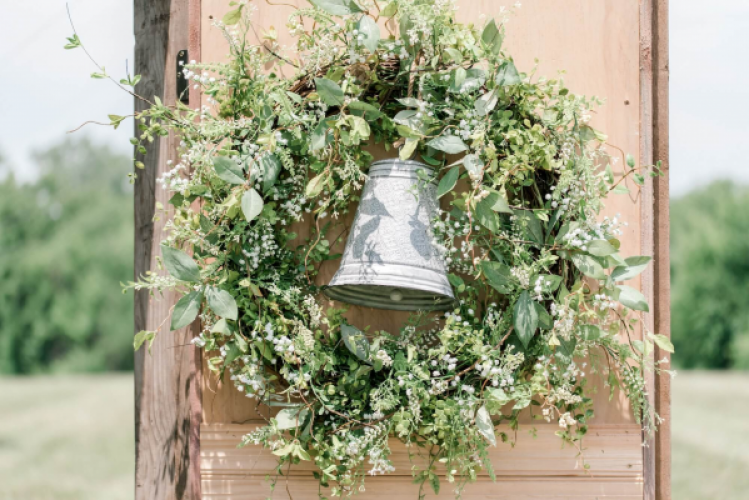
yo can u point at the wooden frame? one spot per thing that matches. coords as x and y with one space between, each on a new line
167 389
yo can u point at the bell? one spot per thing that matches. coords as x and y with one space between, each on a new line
390 260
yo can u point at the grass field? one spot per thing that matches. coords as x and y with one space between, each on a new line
71 438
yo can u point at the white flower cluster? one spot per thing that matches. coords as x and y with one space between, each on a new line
259 245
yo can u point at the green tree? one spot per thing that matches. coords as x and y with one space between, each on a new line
710 277
65 245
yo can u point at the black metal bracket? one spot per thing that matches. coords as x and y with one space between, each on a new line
183 84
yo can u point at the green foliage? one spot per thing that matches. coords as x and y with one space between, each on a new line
710 277
66 244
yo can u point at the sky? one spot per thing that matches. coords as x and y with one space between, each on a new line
709 92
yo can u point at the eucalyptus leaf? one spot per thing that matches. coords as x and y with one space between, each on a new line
492 37
498 275
663 342
271 166
450 144
448 181
330 92
485 425
186 310
232 17
290 418
337 7
507 74
252 204
370 31
228 170
321 136
525 318
179 264
486 103
600 248
588 266
222 303
355 341
635 266
632 298
314 187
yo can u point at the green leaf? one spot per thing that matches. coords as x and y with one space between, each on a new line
590 332
99 75
330 92
630 161
600 248
635 266
390 9
663 342
370 31
620 189
525 318
588 266
498 275
632 298
186 310
314 187
486 103
221 326
337 7
143 336
222 303
486 216
73 42
290 418
434 481
485 425
507 74
407 151
532 226
492 37
232 17
450 144
271 166
448 181
355 341
179 264
365 110
321 136
252 204
497 202
228 170
545 321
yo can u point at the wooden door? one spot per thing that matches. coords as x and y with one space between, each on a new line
608 49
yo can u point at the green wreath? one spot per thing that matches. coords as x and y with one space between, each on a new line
536 273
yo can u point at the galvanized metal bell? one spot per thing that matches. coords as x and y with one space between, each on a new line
390 260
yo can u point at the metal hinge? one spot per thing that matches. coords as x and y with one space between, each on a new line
183 84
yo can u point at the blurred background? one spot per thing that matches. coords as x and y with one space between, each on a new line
66 243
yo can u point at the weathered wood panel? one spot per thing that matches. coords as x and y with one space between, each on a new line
608 450
166 385
605 48
221 487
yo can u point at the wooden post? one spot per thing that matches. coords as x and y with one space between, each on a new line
167 399
662 274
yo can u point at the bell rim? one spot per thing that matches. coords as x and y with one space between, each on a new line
431 301
390 166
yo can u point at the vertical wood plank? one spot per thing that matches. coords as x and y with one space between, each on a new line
662 275
167 400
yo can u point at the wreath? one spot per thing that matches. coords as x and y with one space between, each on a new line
536 272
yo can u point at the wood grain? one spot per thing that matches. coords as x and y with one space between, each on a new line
166 386
608 49
609 450
662 268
